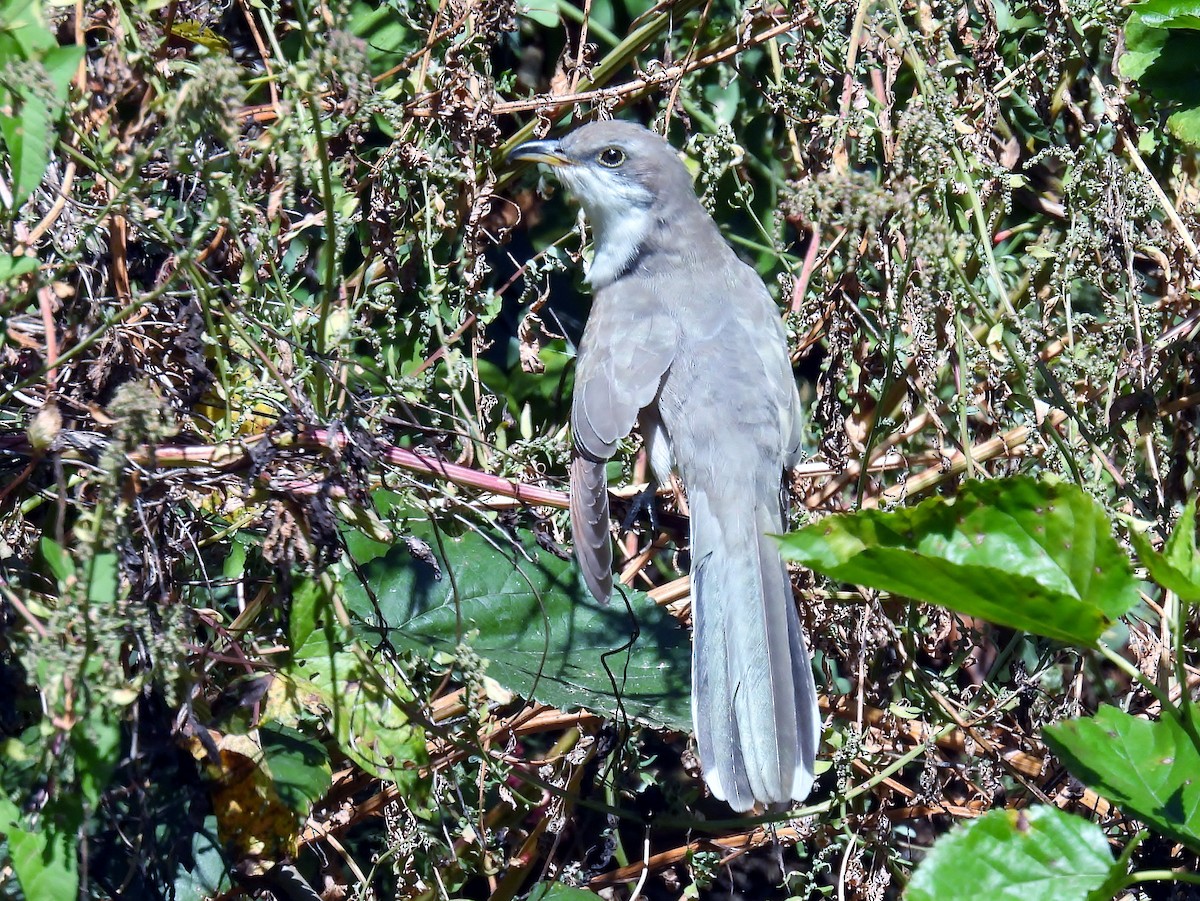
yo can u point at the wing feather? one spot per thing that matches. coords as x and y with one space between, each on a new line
589 525
627 347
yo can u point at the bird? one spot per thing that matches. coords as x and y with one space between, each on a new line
684 340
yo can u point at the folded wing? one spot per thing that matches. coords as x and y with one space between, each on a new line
627 347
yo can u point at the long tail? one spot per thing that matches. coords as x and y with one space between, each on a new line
754 704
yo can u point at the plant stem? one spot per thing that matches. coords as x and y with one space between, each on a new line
1137 675
1161 876
569 11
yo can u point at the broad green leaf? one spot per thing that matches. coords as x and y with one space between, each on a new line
61 65
326 678
26 126
1169 13
205 875
96 740
201 34
1177 568
544 12
1165 63
299 766
556 891
30 112
725 100
1185 124
44 858
1147 768
1012 21
309 604
234 566
1143 47
1030 555
388 39
14 267
1163 56
1180 550
23 33
1035 854
527 613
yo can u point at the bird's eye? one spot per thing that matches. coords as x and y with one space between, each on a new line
611 157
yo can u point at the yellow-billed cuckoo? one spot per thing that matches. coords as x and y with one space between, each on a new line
684 338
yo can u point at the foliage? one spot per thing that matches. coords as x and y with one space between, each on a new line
1161 43
1023 554
1145 767
1041 854
1177 568
1053 536
33 93
284 375
526 613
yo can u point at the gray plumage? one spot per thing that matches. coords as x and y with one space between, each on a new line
684 338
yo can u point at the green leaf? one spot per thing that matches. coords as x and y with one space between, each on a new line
26 135
14 267
205 875
27 130
556 891
23 34
96 740
309 605
1169 13
1036 854
725 100
44 858
1143 47
1008 22
201 34
544 12
1177 568
1030 555
61 65
234 567
1148 769
1180 550
326 677
1185 125
104 581
388 38
299 767
527 613
60 562
1165 63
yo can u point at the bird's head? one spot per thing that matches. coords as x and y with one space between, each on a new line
625 177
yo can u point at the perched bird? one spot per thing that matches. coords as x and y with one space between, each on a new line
684 339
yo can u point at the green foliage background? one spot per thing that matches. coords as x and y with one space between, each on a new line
264 262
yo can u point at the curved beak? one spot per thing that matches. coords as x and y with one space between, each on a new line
548 152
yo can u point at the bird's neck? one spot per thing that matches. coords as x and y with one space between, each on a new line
627 236
618 237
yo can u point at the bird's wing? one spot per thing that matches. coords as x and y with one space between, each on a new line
589 525
762 317
629 343
627 346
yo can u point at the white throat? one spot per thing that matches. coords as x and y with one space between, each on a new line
617 241
619 212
